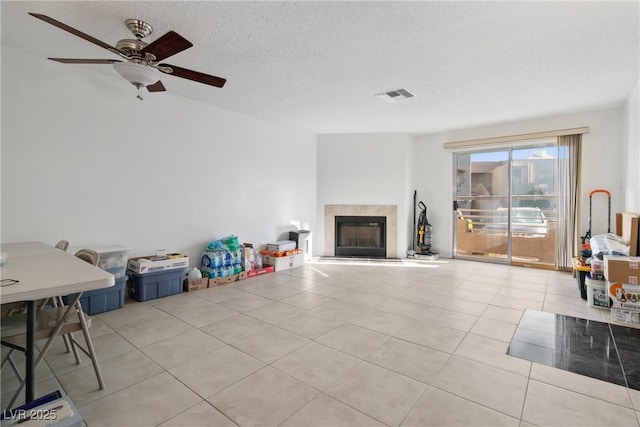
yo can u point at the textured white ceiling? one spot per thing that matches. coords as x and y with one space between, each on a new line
316 65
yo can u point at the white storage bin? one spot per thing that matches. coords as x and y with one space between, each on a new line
113 258
597 293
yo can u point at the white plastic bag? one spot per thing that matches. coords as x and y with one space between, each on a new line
608 244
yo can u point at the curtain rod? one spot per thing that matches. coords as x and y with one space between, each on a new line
511 138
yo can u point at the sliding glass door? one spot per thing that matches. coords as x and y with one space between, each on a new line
506 205
482 188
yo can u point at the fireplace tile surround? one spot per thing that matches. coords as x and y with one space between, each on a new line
390 211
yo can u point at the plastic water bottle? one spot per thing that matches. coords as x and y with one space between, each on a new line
206 260
228 259
237 256
218 259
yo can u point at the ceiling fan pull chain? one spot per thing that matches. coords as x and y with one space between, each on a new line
140 93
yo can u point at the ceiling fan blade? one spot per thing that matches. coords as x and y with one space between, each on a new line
167 45
195 76
73 31
156 87
84 61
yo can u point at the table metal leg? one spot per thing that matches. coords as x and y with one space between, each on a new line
30 350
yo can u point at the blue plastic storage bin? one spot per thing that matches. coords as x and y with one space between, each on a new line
101 300
156 285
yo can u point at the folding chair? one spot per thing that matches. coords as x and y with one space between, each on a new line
62 244
51 322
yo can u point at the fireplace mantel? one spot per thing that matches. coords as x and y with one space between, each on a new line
389 211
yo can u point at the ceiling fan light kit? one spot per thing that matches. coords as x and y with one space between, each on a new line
141 65
137 74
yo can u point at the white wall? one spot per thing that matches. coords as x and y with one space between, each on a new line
632 151
378 168
602 158
84 160
365 169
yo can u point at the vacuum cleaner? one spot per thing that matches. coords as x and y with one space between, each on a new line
422 234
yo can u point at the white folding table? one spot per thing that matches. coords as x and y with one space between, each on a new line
34 271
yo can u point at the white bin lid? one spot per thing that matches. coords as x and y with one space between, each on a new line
102 249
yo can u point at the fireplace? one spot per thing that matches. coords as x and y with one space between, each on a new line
361 236
388 211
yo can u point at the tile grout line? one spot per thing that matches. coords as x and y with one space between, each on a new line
466 333
526 392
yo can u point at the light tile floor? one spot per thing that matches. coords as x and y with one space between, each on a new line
413 344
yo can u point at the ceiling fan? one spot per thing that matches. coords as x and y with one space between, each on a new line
141 65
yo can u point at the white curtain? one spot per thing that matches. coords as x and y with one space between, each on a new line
568 173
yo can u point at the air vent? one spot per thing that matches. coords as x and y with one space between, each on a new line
396 95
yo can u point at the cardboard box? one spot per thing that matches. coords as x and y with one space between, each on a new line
284 262
151 264
628 226
624 269
194 285
628 317
282 245
264 270
229 279
624 296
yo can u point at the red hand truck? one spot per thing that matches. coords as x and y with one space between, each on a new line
587 236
